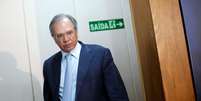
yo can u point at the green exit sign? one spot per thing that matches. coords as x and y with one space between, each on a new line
102 25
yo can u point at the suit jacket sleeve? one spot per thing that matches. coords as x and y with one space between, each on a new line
46 88
114 85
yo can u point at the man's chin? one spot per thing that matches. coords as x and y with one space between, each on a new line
67 49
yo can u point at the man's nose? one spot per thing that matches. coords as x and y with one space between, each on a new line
65 38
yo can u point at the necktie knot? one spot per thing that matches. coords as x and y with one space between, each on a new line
66 56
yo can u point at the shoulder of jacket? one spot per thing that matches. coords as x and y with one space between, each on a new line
53 57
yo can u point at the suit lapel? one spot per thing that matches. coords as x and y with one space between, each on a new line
84 61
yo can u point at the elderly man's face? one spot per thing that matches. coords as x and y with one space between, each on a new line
65 35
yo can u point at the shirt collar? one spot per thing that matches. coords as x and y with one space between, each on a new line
75 52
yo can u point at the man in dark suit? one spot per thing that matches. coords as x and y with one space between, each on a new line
79 72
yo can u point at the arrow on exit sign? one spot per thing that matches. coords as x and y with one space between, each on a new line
102 25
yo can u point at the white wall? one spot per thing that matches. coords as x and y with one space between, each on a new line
15 77
26 42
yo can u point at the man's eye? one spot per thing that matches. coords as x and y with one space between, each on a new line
59 36
69 33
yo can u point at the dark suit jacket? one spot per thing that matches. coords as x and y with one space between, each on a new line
98 78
